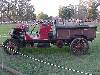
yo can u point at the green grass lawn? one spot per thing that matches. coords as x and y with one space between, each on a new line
86 63
98 28
4 72
5 28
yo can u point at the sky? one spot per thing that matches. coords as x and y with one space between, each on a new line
51 7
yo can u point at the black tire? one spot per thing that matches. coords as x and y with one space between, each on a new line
59 43
13 46
79 46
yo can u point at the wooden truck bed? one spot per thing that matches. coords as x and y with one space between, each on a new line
68 32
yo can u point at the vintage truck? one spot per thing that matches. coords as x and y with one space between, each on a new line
76 36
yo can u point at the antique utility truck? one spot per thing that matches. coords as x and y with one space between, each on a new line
76 36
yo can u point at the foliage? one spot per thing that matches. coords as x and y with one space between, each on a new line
42 16
17 10
92 11
66 12
82 12
50 17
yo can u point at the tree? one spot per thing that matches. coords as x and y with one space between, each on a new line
50 17
3 8
25 10
82 12
17 10
92 11
42 16
66 12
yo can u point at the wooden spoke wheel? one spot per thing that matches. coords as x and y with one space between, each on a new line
79 46
12 46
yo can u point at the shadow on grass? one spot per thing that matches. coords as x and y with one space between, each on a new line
51 50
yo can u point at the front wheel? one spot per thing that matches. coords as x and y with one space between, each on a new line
11 46
59 43
79 46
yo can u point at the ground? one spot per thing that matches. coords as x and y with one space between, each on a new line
86 63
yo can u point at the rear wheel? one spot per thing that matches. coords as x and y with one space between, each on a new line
11 46
79 46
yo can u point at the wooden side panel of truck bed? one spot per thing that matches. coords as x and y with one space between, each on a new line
67 33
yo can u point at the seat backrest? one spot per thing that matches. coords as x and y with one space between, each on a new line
44 30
